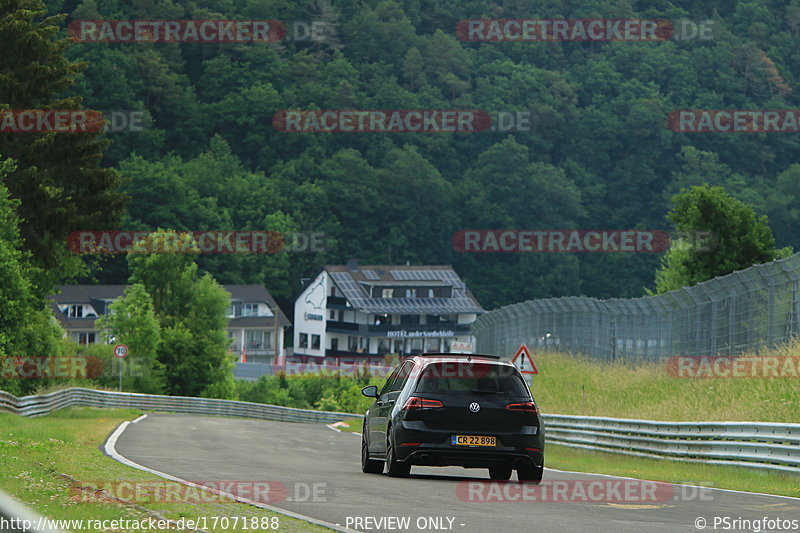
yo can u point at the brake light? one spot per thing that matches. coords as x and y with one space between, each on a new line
525 407
421 403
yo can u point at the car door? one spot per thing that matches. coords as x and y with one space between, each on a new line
384 405
376 416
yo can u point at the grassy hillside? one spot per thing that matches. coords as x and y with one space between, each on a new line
573 385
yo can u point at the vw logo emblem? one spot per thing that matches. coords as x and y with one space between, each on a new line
474 407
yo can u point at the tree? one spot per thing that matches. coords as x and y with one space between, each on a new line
26 325
132 321
190 308
57 178
738 238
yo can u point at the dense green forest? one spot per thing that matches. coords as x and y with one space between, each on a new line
599 154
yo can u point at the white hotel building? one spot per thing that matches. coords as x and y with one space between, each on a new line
353 314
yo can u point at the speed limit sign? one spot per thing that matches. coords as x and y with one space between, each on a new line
120 350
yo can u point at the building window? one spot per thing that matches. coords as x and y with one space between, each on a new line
333 290
432 345
254 339
315 342
75 311
229 312
303 340
387 293
249 309
411 293
430 293
335 344
84 337
352 343
332 315
409 320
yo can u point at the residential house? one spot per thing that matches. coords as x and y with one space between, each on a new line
252 324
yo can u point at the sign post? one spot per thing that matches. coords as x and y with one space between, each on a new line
120 350
524 363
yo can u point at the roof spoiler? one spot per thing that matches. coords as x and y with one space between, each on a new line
439 354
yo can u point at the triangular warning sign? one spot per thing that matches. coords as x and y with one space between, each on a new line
523 361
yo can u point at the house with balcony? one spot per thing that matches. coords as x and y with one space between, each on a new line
254 319
350 313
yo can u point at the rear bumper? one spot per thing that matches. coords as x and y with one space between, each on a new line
418 445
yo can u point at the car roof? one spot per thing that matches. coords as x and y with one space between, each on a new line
428 358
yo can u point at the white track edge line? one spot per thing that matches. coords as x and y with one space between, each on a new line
110 448
330 426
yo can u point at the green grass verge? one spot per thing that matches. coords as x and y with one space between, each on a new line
34 451
575 385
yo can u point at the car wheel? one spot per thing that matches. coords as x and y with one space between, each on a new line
530 472
394 468
500 472
369 466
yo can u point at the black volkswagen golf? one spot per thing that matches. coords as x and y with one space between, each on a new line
468 410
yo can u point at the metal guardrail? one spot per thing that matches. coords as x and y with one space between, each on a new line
752 444
16 518
46 403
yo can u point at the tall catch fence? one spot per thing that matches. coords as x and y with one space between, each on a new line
745 311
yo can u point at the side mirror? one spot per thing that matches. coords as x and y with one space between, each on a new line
370 391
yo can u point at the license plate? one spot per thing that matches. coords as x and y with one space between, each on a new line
473 440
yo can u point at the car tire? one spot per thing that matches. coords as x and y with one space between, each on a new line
500 472
393 467
369 466
531 473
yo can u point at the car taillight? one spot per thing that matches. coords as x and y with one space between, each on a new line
525 407
421 403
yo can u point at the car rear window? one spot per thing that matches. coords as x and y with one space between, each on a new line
471 377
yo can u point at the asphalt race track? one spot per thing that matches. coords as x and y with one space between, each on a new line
307 458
